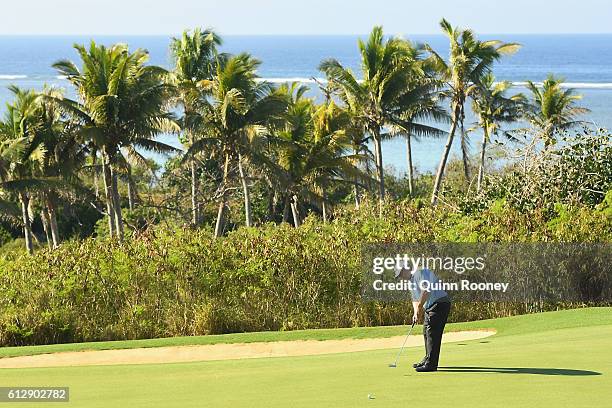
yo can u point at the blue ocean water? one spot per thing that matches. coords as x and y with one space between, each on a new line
585 61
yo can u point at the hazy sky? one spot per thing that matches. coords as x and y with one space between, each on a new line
303 16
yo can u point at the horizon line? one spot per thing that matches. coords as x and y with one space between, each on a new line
280 34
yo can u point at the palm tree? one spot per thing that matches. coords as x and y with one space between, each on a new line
493 106
470 59
313 149
50 156
354 130
122 103
553 108
387 68
19 155
195 57
235 119
423 97
363 158
332 158
296 126
63 160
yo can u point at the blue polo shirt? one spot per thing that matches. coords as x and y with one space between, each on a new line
434 295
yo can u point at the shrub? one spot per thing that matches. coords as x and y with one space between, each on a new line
576 172
180 281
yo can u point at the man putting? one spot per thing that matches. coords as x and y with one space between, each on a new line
435 305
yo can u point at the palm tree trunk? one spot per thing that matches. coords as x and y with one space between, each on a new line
356 188
221 213
108 194
485 137
195 208
271 205
95 177
245 190
27 226
324 206
132 193
379 164
117 206
464 152
44 216
287 209
409 164
368 171
53 222
442 165
294 210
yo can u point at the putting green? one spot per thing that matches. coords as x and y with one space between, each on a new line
560 359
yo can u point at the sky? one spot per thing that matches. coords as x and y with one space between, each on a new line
231 17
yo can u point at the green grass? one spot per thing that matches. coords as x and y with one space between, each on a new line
509 325
558 359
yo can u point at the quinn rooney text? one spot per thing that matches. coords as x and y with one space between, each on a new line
466 285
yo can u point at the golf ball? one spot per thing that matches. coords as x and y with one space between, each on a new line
371 396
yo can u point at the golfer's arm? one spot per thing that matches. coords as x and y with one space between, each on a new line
419 304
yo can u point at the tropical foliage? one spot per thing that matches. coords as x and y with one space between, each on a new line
392 92
195 59
171 282
494 107
553 109
122 106
470 60
254 152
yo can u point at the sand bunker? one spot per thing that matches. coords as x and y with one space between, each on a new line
182 354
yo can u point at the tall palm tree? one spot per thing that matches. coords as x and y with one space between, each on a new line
296 126
493 107
469 60
65 157
20 156
235 118
314 152
355 131
331 157
424 99
195 57
379 97
50 155
122 103
553 108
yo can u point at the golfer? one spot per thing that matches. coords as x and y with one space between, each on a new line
435 305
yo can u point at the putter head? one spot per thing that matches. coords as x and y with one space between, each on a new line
393 365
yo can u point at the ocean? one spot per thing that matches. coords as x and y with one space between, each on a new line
585 61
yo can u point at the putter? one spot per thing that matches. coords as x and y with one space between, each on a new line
394 364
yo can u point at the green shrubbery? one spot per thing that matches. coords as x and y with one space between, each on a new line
5 236
169 282
578 171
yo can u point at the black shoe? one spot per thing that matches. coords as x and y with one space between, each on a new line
425 369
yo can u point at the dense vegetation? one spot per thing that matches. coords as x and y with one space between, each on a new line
254 153
125 249
169 282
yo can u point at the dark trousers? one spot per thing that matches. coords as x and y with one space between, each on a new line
433 327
